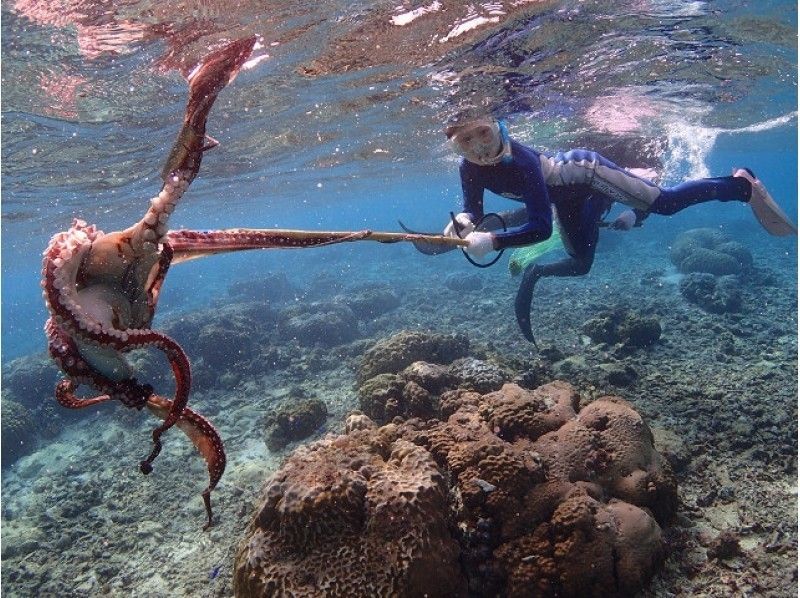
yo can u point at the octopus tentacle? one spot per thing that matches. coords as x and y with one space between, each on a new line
199 430
183 381
153 285
66 354
65 395
204 437
190 244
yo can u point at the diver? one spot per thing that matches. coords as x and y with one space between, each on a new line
580 186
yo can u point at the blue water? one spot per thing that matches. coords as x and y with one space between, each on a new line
338 126
89 114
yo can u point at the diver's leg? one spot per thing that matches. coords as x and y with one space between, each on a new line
580 231
742 186
674 199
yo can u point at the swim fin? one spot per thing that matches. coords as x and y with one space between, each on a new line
522 303
768 213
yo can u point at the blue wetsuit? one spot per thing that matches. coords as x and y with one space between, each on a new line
581 185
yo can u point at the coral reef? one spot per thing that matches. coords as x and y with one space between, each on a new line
268 288
478 375
546 500
463 283
413 392
380 397
294 421
30 380
18 431
392 355
370 301
355 515
623 327
432 377
715 295
391 395
321 323
709 251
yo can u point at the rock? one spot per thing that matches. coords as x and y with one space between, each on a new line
358 421
381 397
432 377
623 327
295 421
714 295
387 396
463 283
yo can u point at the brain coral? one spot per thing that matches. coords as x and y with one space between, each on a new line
294 421
515 494
715 295
475 374
711 251
357 515
392 355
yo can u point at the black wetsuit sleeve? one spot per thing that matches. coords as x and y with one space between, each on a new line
473 191
539 226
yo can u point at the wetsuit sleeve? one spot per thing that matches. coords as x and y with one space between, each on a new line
473 191
537 204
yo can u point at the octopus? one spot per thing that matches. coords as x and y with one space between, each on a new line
102 289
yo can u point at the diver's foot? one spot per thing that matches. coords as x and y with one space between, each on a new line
768 213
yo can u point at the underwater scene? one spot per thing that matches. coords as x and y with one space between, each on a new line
411 298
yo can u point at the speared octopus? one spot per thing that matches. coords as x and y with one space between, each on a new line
102 289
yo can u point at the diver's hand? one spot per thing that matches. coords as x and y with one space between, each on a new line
479 244
467 226
624 221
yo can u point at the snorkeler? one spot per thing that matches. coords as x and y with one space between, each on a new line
581 186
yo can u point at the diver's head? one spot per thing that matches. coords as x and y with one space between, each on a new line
483 141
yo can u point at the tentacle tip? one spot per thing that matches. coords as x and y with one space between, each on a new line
145 467
207 502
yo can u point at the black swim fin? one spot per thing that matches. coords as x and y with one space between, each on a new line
522 304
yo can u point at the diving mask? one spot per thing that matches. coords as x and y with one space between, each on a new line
484 142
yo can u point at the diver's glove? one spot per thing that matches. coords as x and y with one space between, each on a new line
466 224
479 244
625 221
522 304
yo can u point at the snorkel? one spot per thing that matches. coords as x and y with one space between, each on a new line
505 155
